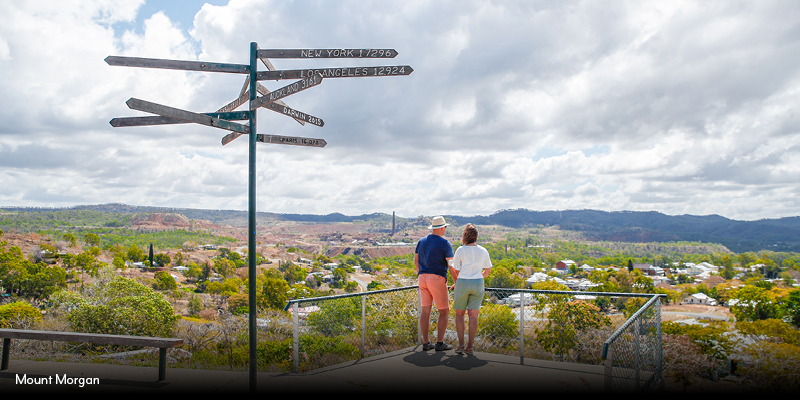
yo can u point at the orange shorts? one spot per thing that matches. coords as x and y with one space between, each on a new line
433 289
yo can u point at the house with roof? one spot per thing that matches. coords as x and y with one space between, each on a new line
699 269
700 298
649 269
564 264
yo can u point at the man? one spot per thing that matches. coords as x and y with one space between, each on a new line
432 259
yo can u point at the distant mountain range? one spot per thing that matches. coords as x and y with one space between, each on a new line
781 234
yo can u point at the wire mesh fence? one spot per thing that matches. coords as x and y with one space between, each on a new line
562 326
334 329
633 354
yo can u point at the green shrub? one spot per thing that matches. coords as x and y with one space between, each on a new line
18 313
125 307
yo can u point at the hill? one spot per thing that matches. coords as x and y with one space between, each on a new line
622 226
639 227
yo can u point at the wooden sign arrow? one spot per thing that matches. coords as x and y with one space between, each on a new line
293 140
285 91
176 64
327 53
149 121
299 115
277 106
351 72
188 116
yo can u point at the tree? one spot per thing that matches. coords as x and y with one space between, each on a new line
135 254
501 277
70 239
792 307
273 291
123 307
224 267
566 323
162 260
753 303
165 281
91 239
150 257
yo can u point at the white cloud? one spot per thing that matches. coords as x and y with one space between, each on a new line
680 107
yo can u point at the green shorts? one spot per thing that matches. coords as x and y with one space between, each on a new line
468 294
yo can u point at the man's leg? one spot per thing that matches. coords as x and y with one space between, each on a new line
424 323
444 313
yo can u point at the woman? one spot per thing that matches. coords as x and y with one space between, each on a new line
471 264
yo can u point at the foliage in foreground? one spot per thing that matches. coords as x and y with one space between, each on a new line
121 306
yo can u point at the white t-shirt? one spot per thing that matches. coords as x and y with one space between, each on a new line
470 261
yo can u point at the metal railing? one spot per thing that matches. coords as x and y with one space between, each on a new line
571 326
333 329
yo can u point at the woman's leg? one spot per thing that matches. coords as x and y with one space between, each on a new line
460 326
473 326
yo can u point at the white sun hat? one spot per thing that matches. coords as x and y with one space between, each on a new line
438 222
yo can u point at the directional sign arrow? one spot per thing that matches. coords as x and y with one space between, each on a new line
350 72
148 121
188 116
327 53
176 64
293 140
293 88
277 106
299 115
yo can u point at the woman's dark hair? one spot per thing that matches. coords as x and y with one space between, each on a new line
470 235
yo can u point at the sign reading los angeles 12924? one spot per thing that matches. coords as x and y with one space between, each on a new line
348 72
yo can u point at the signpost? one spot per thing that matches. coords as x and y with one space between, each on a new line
270 100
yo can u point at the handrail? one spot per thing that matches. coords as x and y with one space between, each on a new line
342 296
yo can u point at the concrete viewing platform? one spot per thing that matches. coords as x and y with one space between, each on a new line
408 370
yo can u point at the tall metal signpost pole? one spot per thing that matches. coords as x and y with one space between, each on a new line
270 100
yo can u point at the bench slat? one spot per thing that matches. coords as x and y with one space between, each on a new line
91 338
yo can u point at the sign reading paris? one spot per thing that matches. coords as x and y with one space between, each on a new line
293 140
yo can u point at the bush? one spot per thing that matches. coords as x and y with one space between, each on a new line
772 367
125 307
18 314
497 323
773 328
164 281
711 339
566 321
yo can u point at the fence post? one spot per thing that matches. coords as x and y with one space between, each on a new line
609 370
637 356
522 329
419 312
296 338
363 323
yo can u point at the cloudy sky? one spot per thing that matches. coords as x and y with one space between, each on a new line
681 107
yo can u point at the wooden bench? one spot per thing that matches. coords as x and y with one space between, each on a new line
162 343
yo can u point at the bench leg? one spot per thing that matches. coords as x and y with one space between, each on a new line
6 353
162 363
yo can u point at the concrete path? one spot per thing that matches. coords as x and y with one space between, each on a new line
404 371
